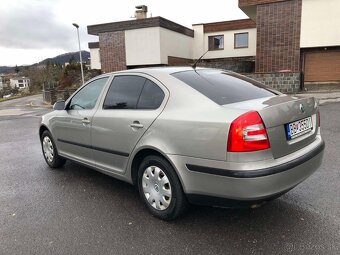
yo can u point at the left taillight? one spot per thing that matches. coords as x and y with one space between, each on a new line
248 133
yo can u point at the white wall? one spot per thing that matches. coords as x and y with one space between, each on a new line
320 23
142 46
152 46
95 58
229 50
198 44
175 45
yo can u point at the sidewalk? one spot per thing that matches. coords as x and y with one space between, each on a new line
324 97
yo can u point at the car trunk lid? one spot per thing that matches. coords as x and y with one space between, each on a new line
277 112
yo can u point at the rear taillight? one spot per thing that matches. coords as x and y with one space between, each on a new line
248 133
319 119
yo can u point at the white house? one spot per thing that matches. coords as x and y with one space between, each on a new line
19 82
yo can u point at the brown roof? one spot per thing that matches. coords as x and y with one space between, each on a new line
139 23
93 45
228 25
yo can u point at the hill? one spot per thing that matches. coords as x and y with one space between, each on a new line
63 58
60 59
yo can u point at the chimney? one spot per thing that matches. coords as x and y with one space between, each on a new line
141 12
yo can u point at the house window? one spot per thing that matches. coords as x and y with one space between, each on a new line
241 40
216 42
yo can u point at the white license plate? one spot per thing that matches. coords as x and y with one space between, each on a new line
299 127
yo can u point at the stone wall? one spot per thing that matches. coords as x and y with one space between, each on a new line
53 95
283 82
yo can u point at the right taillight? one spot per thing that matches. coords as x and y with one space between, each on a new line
248 133
319 119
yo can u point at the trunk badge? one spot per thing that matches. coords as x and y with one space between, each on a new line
302 108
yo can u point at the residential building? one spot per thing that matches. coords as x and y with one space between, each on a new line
297 36
287 44
142 42
228 44
19 82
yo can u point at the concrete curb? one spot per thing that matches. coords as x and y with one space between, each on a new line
323 97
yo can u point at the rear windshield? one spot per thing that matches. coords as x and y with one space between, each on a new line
224 87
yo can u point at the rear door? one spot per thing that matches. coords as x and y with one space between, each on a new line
131 104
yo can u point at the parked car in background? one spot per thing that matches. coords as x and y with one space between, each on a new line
185 135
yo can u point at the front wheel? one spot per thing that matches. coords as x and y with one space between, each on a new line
160 188
50 152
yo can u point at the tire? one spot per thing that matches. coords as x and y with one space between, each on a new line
160 188
50 151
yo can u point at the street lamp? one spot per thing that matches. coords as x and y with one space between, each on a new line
81 60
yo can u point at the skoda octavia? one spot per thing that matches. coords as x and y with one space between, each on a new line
185 135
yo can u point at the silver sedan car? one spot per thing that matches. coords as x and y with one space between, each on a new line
185 135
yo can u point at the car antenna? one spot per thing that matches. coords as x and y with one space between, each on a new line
194 65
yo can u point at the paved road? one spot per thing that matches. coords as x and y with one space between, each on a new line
20 107
76 210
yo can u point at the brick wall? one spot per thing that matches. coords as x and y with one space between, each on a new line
237 64
176 61
278 36
283 82
112 51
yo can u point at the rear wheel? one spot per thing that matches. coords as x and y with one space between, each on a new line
160 188
50 152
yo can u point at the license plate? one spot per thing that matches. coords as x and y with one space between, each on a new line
299 127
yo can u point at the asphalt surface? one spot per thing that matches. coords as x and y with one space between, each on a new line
76 210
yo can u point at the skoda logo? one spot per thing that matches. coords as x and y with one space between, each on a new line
302 108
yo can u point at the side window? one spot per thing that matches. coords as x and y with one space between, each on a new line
124 92
152 96
241 40
87 97
216 42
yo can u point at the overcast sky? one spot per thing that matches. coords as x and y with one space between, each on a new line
32 30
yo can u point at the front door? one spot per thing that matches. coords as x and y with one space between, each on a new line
72 127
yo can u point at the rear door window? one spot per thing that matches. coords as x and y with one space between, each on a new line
124 92
152 96
224 87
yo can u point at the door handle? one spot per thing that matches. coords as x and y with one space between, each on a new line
136 124
86 121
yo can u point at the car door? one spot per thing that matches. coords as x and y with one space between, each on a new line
72 127
131 104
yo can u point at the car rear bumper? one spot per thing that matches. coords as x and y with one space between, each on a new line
204 179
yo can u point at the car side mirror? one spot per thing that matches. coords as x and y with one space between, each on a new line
59 105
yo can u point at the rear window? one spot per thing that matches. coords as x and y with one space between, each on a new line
224 87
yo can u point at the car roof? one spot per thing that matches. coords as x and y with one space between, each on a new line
159 70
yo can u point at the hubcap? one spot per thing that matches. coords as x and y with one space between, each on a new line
48 149
156 188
